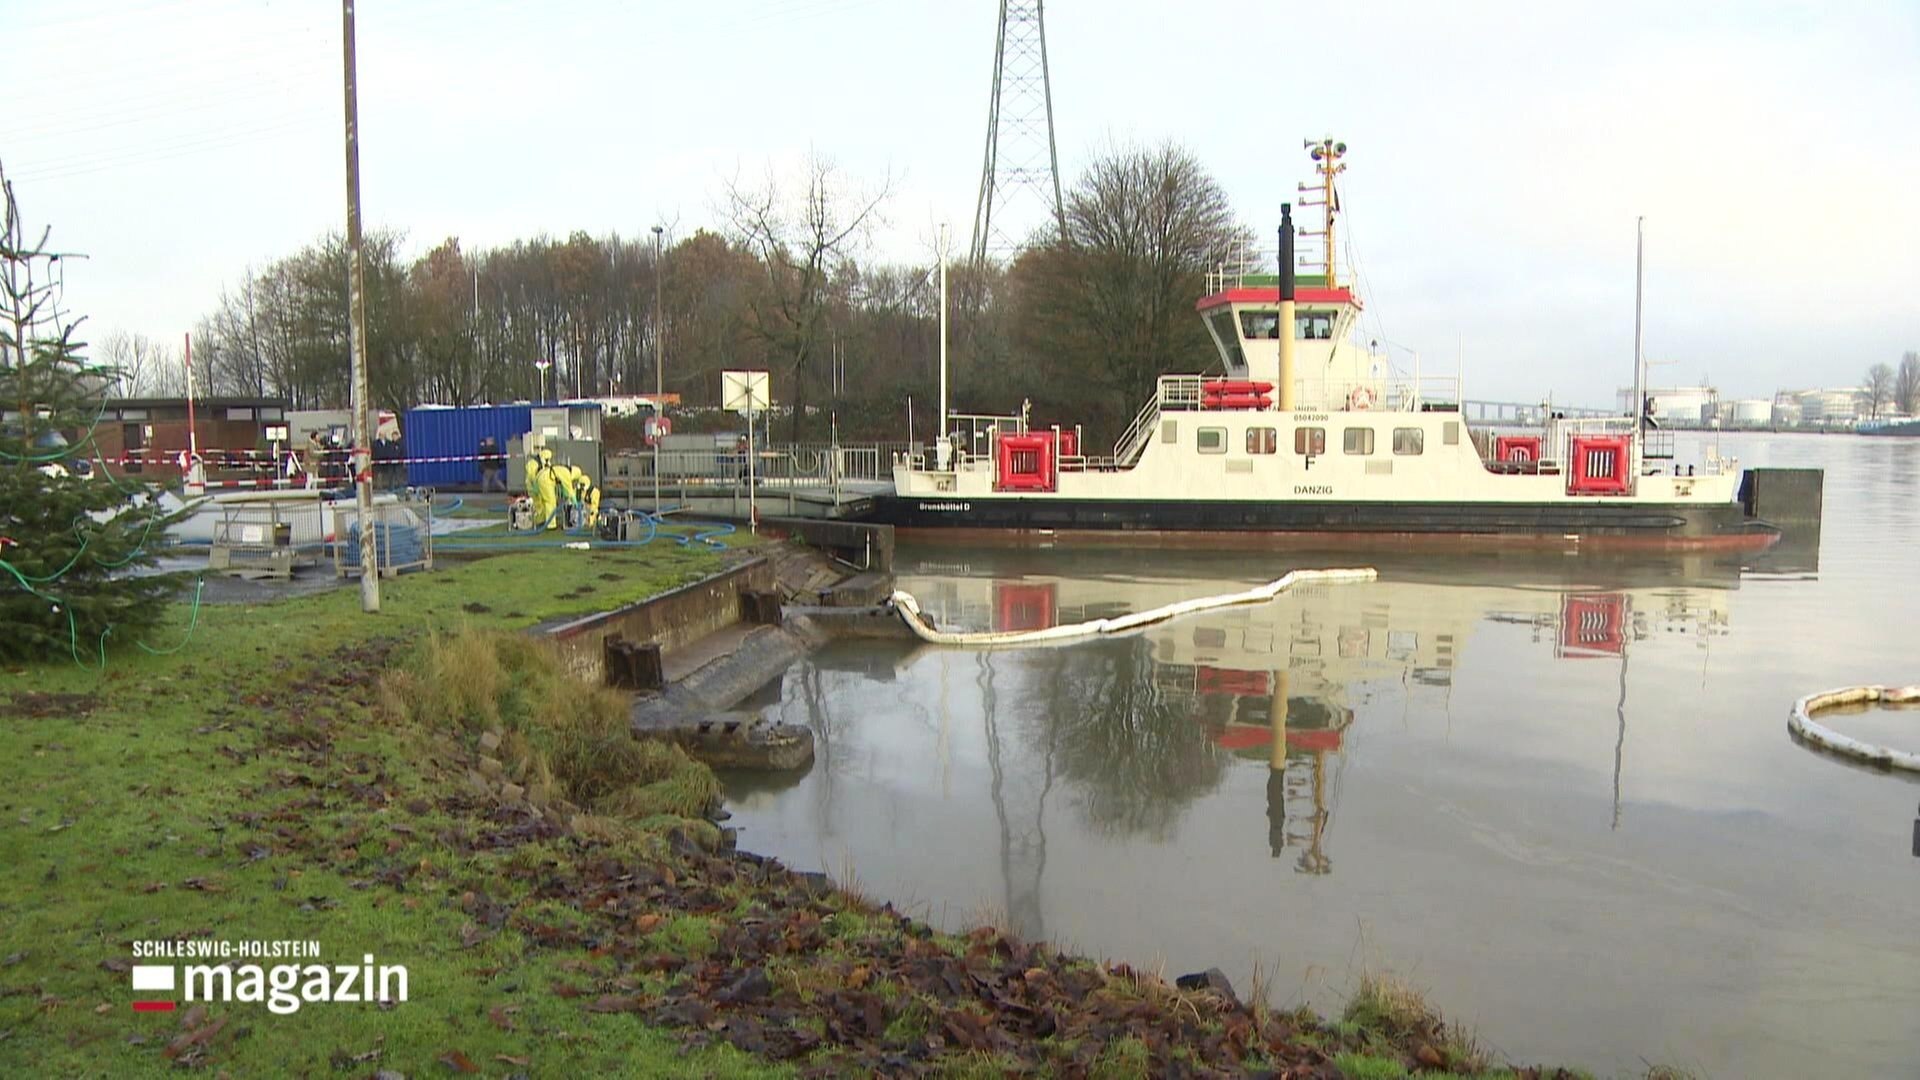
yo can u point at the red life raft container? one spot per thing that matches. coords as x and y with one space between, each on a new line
1600 465
1519 449
1024 462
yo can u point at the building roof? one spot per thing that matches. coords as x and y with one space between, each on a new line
198 402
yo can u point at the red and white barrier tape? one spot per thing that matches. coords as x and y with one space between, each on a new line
262 458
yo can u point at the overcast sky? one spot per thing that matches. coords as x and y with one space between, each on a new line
1499 153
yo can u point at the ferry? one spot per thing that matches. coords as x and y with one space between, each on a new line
1889 426
1310 435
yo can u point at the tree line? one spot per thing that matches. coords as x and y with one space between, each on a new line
1899 387
1079 325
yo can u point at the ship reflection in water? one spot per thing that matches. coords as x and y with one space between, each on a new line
1532 782
1147 724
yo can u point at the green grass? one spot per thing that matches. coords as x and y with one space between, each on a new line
249 787
560 739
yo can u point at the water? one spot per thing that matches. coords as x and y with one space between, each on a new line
1557 794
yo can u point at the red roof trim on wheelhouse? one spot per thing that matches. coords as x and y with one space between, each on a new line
1305 294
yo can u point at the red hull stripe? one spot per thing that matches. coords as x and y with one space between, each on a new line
1263 540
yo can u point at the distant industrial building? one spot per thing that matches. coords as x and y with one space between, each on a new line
1678 406
1827 407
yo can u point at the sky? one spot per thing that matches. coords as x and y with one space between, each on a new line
1499 153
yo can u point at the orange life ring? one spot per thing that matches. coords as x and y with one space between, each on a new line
1360 400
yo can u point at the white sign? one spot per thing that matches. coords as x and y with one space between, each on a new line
745 391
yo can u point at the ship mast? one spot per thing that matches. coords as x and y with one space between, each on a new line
1326 161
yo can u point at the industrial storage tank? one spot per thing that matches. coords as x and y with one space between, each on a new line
1753 412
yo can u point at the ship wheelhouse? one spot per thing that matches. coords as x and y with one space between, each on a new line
1332 370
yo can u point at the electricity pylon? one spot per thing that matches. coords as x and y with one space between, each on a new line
1022 168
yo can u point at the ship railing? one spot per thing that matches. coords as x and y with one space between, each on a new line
791 464
1262 264
1090 463
1390 394
1654 443
1172 393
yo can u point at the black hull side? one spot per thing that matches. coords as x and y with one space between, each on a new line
1596 518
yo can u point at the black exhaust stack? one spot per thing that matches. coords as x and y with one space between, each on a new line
1285 397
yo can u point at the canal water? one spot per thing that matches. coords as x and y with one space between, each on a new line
1554 792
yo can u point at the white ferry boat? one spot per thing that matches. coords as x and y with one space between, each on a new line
1311 435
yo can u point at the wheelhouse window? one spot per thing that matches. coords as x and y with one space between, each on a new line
1260 325
1313 325
1221 323
1310 440
1262 440
1409 440
1357 440
1211 440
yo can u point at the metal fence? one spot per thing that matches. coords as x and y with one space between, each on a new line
803 465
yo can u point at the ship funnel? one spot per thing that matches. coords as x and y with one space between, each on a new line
1285 400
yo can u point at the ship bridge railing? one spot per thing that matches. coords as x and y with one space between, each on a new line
1261 264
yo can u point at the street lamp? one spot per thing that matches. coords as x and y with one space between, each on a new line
659 369
543 364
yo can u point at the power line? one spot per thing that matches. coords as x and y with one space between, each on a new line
89 164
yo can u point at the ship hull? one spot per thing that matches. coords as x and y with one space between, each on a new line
1909 428
1279 523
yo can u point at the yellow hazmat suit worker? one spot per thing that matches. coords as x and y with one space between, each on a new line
587 494
540 488
565 479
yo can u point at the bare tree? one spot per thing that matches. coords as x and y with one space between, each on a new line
807 242
1879 388
143 366
1112 302
1906 383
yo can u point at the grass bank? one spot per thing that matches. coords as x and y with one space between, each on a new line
423 786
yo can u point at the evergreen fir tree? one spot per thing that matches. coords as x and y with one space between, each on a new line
71 538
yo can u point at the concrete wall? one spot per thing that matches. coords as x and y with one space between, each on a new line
1783 496
674 619
869 547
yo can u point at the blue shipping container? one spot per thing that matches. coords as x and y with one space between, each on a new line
450 433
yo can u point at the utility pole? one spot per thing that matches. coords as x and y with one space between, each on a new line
1639 356
357 317
942 449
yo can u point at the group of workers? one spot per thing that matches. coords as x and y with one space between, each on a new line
551 484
